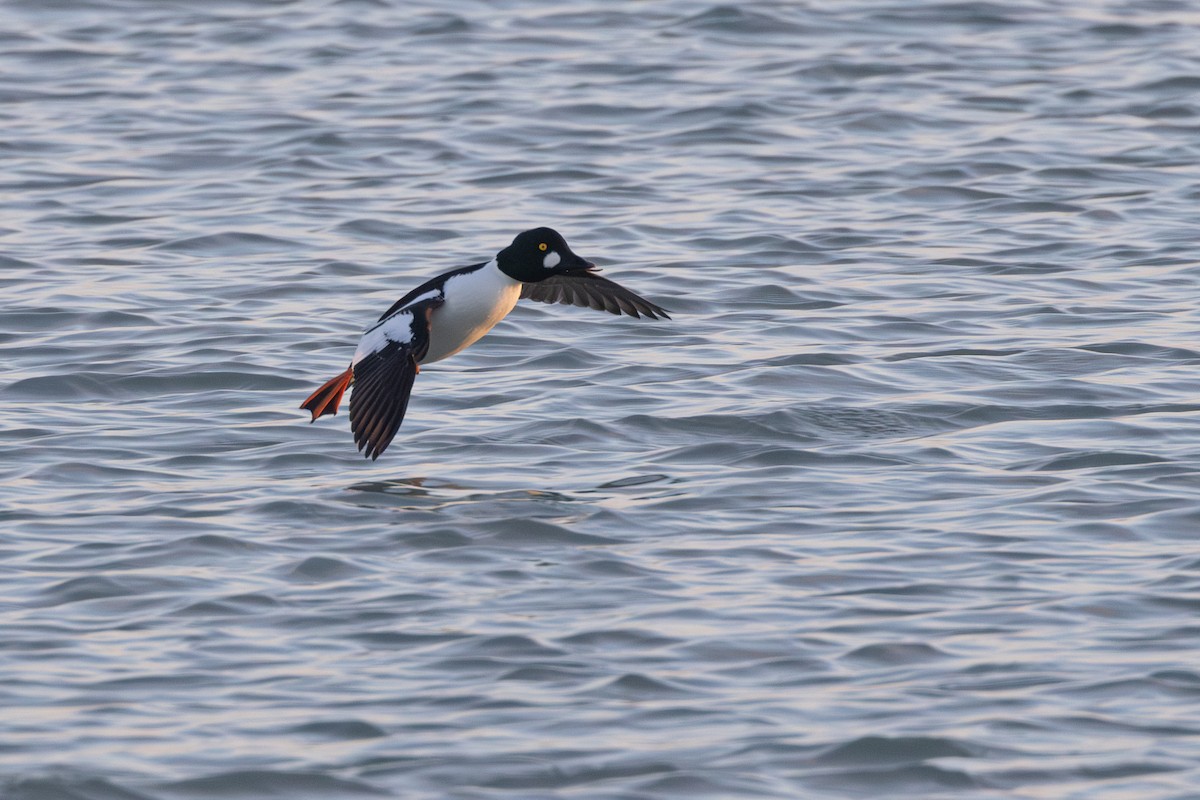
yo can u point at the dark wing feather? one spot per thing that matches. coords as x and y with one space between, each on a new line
583 287
383 382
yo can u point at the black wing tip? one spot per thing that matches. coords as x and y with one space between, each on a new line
372 448
651 311
642 310
372 441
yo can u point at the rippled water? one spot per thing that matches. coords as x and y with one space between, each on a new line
903 503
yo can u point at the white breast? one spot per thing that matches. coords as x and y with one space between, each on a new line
474 302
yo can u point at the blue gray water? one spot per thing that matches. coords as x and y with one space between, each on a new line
904 502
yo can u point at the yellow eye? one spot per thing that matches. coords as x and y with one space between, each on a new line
542 247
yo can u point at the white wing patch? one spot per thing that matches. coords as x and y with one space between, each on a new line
396 328
422 297
551 260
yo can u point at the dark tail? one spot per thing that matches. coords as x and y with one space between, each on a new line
325 400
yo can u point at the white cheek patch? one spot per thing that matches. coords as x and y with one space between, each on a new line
551 260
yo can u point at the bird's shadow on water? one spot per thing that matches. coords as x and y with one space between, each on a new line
431 493
437 514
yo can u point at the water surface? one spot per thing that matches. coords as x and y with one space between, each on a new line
902 503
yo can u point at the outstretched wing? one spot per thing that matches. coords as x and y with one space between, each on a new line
583 287
385 367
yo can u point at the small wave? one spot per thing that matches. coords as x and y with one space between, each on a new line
895 654
272 783
73 786
876 750
234 243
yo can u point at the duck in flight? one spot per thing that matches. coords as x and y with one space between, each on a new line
447 313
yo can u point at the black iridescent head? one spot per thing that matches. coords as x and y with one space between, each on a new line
537 254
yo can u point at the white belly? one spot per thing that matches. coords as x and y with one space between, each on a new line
474 303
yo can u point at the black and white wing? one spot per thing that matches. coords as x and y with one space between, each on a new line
385 366
583 287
